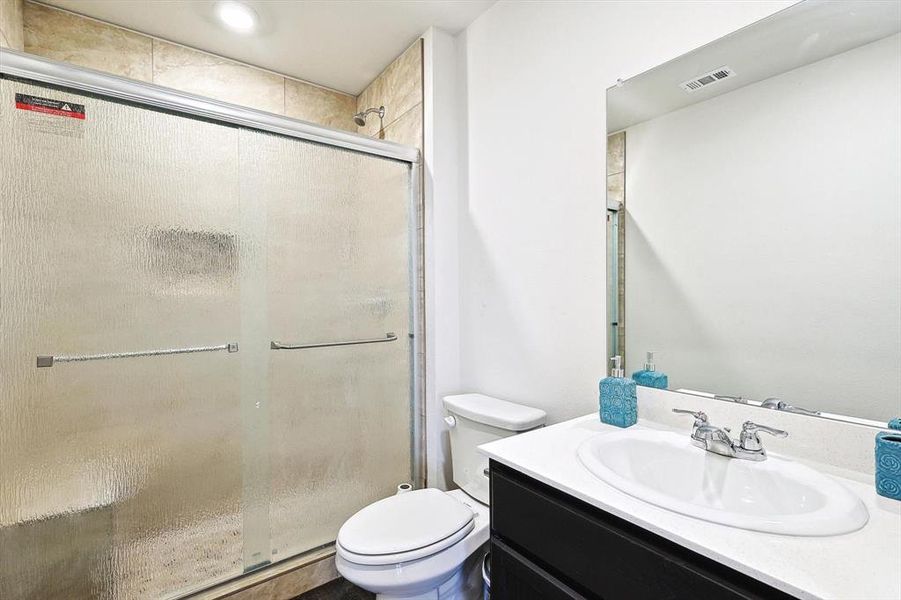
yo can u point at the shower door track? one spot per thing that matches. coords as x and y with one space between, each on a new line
26 66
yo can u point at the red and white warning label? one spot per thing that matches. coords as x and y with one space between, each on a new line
47 106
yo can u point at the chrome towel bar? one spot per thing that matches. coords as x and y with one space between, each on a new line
389 337
48 361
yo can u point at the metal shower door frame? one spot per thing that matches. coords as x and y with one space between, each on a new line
23 66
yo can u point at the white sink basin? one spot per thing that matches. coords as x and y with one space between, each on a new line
774 496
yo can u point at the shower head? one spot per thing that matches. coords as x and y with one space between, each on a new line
360 117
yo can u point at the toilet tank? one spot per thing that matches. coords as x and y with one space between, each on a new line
476 419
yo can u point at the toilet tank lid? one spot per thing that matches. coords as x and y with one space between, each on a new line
495 412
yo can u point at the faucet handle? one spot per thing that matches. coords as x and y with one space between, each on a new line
749 440
700 417
778 404
751 426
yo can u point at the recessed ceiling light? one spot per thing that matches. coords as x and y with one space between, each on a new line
236 16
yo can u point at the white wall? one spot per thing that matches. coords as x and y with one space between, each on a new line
763 240
531 229
515 193
443 174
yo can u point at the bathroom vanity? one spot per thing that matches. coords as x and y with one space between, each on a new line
558 531
547 544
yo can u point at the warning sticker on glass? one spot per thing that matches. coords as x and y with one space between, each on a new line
47 106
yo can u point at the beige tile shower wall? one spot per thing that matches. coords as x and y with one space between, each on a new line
11 28
319 105
204 74
67 37
399 90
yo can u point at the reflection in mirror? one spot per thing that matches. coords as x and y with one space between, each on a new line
756 185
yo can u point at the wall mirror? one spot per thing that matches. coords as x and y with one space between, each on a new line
754 214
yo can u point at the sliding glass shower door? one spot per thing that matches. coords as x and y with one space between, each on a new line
337 269
163 425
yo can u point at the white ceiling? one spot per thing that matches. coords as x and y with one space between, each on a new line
799 35
341 44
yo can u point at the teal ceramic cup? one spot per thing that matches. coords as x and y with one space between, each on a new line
888 464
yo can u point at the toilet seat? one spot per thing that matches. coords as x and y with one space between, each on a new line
402 557
404 528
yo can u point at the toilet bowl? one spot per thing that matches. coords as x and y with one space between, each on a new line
403 549
430 543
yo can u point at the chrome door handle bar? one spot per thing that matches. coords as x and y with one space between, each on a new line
49 361
389 337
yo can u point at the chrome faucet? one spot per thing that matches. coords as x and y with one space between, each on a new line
717 439
777 404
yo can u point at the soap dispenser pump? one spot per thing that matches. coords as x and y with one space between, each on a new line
648 377
618 398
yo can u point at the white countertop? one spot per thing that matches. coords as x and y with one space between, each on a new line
863 565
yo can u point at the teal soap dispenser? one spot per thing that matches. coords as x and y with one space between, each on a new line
648 377
618 398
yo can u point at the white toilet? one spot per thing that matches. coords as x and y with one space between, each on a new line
426 543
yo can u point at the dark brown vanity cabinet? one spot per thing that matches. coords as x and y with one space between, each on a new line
546 544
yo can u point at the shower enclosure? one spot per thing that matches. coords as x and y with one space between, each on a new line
209 323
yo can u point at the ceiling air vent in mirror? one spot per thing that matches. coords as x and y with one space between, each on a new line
709 78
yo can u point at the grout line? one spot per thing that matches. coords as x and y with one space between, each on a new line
152 60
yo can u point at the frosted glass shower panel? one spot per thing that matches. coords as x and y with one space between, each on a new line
128 230
338 269
120 478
